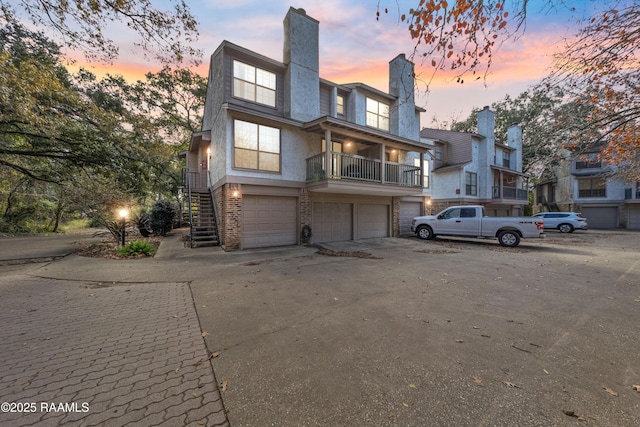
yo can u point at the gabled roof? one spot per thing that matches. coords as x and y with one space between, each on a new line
448 135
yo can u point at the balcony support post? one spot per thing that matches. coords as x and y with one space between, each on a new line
383 164
328 164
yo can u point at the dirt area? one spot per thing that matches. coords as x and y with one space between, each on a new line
106 247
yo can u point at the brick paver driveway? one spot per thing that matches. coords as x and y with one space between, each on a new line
87 353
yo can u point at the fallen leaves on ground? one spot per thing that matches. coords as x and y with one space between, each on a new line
636 388
508 384
610 391
477 381
355 254
223 385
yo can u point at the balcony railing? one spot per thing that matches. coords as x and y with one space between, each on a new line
511 193
588 165
599 192
359 168
195 179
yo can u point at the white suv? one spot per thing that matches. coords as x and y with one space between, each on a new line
566 222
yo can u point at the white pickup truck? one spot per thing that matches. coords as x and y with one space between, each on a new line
469 221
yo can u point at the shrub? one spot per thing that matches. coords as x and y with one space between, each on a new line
162 216
136 247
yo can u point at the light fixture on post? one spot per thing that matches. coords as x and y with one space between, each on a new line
123 214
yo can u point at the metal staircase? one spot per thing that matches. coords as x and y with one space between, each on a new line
204 230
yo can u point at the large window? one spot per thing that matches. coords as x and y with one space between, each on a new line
377 114
471 184
425 171
254 84
256 147
593 187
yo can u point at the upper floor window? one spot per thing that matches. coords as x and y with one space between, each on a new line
340 105
588 161
377 114
254 84
592 187
471 184
438 152
425 171
256 146
503 159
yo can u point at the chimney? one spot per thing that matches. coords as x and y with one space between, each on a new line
404 120
514 140
301 55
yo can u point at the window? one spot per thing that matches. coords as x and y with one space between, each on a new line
256 147
425 171
468 213
471 184
377 114
594 187
438 152
588 161
340 105
254 84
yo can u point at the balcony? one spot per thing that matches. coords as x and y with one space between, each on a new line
510 193
354 168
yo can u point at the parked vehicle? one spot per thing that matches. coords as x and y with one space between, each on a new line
566 222
469 221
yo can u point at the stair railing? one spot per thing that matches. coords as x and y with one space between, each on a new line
188 182
215 215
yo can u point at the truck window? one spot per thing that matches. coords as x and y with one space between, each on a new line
451 213
468 213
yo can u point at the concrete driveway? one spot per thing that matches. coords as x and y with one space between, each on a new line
440 333
391 332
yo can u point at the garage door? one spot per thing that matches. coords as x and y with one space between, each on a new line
331 222
633 220
373 221
408 211
601 217
269 221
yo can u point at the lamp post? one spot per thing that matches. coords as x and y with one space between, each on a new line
123 215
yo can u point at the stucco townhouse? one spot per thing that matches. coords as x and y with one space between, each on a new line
583 183
289 157
473 168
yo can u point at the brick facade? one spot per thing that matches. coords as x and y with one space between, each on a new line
228 200
395 216
305 211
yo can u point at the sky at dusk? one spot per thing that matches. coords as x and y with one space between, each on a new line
355 47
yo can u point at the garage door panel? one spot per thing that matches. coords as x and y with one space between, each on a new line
269 221
373 221
633 220
601 217
332 222
408 211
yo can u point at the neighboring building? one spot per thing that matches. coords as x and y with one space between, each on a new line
582 183
286 153
468 168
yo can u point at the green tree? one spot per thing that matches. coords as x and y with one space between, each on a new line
167 34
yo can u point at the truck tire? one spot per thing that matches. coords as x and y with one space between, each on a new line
425 232
509 239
